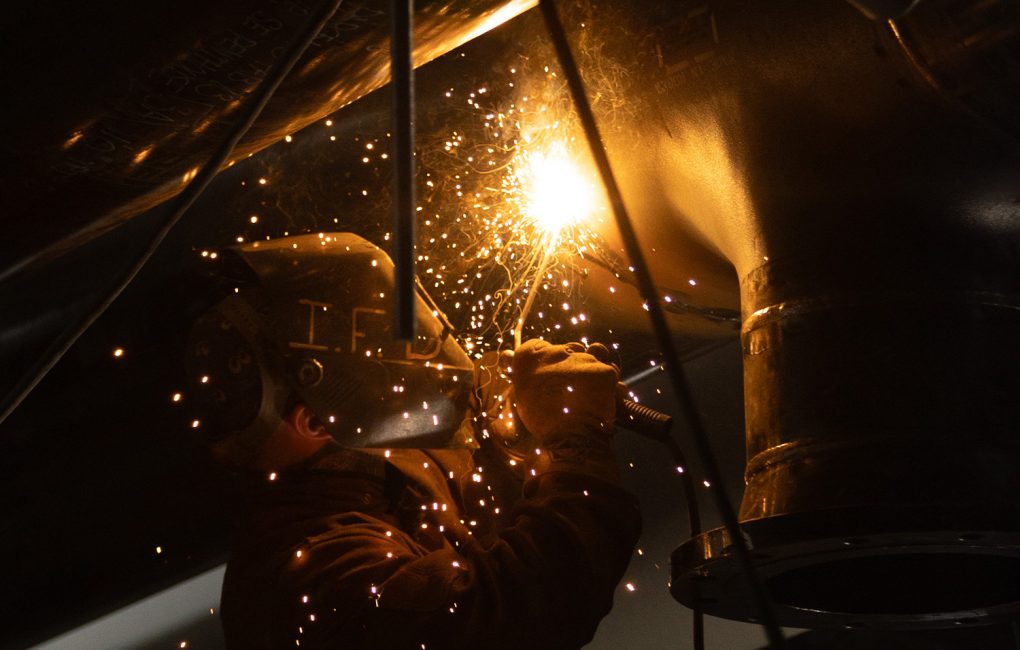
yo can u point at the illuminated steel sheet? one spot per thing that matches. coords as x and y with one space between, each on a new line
112 108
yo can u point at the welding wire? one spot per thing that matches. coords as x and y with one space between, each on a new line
657 317
402 67
532 292
258 100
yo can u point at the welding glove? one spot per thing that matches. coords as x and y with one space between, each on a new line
550 407
563 390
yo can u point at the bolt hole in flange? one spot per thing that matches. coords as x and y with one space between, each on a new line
901 584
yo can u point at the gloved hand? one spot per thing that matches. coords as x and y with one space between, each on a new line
562 391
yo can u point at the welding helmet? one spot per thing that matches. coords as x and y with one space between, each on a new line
311 320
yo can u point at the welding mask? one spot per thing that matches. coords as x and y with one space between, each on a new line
311 320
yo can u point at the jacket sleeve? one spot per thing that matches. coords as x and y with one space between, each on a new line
545 581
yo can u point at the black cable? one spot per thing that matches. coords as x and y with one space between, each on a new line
659 326
662 436
694 522
260 97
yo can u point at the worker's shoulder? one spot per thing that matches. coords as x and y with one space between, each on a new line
418 465
367 462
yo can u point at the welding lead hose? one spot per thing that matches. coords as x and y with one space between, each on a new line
656 425
258 100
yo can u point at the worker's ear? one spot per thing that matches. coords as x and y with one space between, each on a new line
305 423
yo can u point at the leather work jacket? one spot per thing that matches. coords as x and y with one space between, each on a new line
433 549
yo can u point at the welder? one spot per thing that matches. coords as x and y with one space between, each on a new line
402 496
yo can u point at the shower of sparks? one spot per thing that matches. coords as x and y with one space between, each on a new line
509 205
509 209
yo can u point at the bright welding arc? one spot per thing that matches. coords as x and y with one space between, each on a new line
556 195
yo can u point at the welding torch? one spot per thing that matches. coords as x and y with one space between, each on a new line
643 420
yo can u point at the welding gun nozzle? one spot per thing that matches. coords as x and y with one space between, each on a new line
643 420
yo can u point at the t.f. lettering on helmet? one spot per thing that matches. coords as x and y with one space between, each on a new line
315 321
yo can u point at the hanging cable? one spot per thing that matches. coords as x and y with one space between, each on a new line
694 523
258 100
658 321
661 435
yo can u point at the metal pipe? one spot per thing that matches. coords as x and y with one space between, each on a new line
402 75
